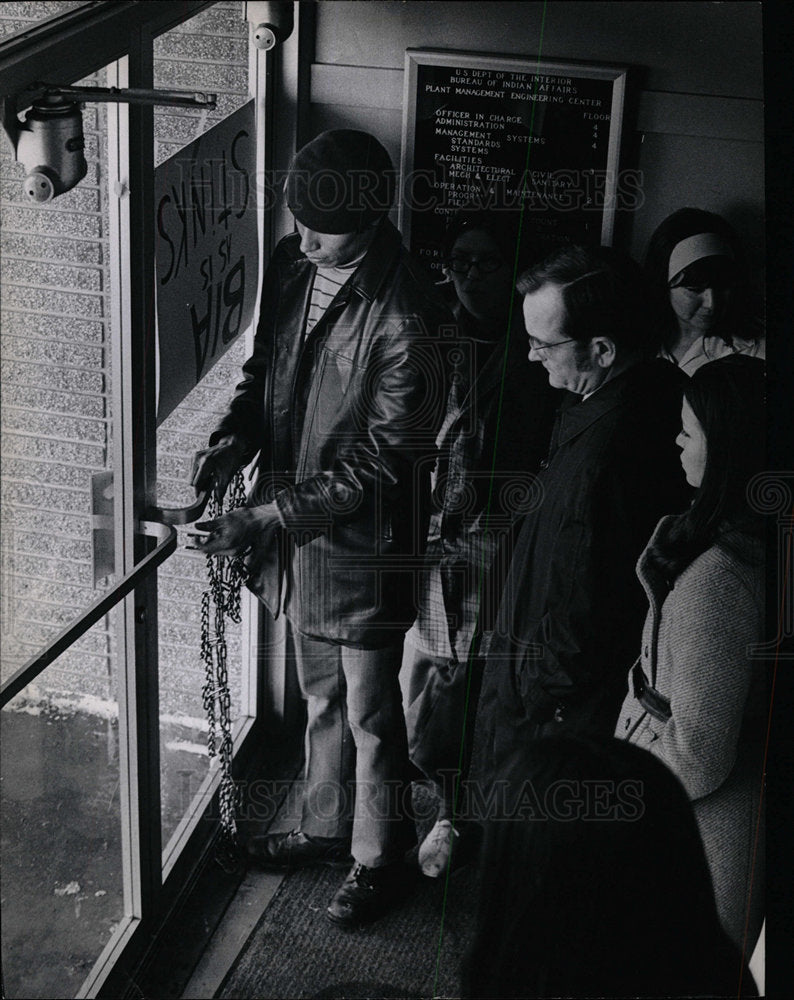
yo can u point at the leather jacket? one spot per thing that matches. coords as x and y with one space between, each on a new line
344 419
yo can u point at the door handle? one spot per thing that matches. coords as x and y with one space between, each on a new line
103 526
166 545
181 515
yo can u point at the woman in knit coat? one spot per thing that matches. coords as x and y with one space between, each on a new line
696 696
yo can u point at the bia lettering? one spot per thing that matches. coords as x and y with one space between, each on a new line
199 205
221 310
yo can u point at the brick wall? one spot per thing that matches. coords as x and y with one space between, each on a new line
56 420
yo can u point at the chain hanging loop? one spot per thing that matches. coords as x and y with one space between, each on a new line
220 601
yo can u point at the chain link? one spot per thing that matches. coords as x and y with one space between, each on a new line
219 601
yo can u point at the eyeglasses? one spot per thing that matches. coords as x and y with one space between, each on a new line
462 265
539 345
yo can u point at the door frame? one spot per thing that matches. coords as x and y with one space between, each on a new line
120 35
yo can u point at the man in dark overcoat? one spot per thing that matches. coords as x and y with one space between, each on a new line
571 614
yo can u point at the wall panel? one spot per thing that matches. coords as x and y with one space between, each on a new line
697 127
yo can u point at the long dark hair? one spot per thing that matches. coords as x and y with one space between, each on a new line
727 397
595 882
679 226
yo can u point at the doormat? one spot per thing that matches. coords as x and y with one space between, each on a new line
296 952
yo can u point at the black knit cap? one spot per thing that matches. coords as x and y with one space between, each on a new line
340 182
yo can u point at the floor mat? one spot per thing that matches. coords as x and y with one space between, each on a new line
296 952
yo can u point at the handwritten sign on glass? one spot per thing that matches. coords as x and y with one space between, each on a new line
206 252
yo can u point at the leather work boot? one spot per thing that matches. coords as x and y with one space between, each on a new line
367 893
284 851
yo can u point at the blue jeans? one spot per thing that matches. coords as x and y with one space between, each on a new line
357 769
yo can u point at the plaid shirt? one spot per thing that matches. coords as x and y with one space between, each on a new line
495 432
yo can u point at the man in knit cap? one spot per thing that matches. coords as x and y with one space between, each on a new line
341 400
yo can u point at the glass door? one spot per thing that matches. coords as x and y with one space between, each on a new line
208 52
68 887
105 774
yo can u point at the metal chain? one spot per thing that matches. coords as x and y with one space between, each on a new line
225 580
208 690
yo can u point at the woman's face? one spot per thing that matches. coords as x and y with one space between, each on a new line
700 298
485 286
692 442
698 309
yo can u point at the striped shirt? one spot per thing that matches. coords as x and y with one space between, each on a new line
327 282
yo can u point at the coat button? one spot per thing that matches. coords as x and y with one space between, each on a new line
544 464
645 653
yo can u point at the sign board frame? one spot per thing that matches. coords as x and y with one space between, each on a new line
523 86
207 256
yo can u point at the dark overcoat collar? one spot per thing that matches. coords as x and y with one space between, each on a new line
577 414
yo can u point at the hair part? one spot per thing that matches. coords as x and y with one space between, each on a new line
567 898
603 293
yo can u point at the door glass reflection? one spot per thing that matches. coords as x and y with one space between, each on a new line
210 53
60 827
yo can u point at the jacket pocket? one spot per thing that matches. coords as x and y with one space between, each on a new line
331 406
338 366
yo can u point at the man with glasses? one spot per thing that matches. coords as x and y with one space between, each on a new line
571 614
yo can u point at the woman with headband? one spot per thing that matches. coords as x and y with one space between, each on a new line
697 275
